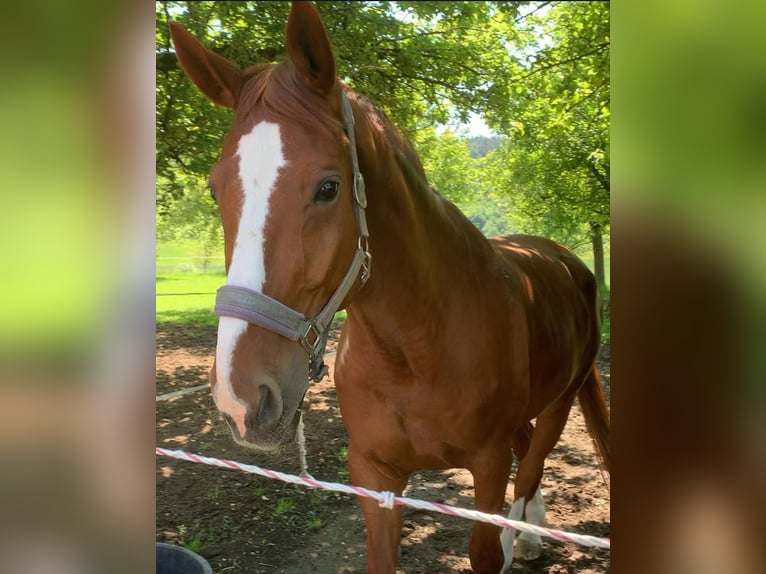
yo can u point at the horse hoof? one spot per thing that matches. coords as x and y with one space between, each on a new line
527 549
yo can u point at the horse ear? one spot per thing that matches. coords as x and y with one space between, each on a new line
308 47
217 78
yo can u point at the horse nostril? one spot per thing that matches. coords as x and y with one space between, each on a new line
269 407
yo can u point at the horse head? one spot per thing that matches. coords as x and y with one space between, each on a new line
289 205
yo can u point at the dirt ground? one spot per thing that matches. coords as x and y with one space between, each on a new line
246 524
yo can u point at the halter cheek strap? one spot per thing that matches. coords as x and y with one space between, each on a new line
264 311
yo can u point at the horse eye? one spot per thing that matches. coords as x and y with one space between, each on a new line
327 191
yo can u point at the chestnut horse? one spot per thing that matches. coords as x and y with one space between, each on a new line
452 344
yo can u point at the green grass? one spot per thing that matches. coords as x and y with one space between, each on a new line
178 301
186 256
194 539
187 297
284 505
339 317
178 248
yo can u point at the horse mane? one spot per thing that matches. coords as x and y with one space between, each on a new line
401 148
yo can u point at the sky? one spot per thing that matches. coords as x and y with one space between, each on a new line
474 127
477 127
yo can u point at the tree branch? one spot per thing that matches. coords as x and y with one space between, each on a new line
540 7
542 68
434 33
600 177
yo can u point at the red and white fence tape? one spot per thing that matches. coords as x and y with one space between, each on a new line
389 500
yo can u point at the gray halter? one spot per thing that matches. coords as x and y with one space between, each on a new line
262 310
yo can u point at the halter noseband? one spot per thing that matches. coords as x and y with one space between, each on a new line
259 309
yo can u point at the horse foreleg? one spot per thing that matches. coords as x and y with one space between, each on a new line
384 525
490 478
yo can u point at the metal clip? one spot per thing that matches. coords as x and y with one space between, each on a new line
318 372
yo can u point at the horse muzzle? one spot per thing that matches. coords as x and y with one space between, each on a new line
262 412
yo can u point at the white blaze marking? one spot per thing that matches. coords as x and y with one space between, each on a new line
260 159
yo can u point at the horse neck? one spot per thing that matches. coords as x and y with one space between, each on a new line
418 240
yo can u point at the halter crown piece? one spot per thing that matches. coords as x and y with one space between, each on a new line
260 309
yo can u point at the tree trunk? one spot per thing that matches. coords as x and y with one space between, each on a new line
597 240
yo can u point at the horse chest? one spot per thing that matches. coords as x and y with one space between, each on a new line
408 424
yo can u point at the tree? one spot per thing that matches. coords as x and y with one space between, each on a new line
463 179
448 164
538 73
421 62
194 216
556 160
480 146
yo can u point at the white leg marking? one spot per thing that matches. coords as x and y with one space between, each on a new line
260 159
508 534
529 545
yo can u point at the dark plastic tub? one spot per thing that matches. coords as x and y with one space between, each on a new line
173 559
